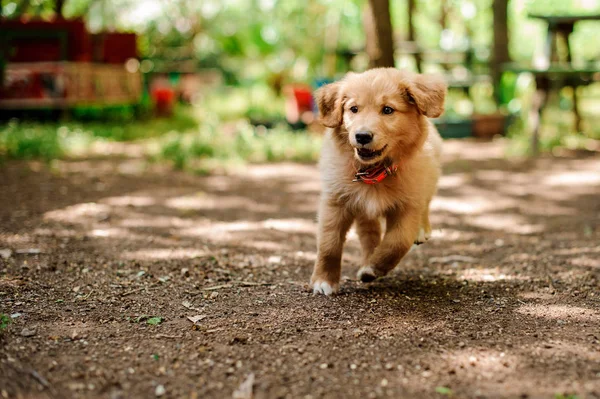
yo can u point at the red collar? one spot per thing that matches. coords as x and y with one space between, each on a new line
376 174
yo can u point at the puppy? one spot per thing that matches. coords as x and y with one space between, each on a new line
380 160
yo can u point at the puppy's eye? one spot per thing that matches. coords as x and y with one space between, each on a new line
387 110
354 109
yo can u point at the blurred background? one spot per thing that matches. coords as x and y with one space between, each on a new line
208 84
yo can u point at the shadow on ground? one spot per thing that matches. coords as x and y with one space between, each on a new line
502 302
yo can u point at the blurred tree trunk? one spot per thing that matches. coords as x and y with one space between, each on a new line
501 55
380 40
412 37
58 7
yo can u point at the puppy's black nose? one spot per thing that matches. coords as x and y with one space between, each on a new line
363 137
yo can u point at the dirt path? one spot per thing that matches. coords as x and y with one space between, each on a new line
503 302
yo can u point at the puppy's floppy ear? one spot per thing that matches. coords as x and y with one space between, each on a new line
329 100
428 93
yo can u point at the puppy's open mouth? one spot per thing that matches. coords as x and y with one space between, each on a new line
366 154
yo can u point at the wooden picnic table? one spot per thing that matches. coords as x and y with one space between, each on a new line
556 72
560 26
553 78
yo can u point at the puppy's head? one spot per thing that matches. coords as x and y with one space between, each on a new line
380 111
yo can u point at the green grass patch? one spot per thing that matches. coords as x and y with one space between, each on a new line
5 320
217 147
48 141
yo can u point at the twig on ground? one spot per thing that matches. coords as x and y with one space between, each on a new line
253 284
216 287
88 295
40 379
133 291
167 336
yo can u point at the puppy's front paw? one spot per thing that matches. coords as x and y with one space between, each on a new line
323 287
366 274
423 236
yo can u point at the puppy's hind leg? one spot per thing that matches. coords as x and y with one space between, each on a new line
424 227
401 230
369 234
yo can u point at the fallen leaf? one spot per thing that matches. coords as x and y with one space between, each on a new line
245 390
154 320
197 318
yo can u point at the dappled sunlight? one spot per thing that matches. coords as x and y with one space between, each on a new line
283 225
130 200
489 275
305 186
569 179
586 261
281 170
489 363
461 205
163 254
205 201
448 234
80 213
511 223
145 220
54 232
559 312
110 232
291 225
456 180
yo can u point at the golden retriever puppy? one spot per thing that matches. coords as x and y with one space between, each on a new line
380 160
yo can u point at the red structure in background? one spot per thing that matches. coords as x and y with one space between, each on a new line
114 48
59 64
39 41
299 103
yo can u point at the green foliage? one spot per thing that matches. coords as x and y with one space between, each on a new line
29 141
565 396
211 147
47 141
444 391
153 321
5 320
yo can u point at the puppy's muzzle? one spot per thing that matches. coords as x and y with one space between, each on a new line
363 138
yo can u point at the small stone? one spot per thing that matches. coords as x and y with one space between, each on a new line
323 366
389 366
28 332
461 344
353 367
5 253
160 390
384 382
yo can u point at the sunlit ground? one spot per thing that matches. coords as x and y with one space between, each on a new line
504 287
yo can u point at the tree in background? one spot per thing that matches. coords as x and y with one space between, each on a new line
500 51
379 32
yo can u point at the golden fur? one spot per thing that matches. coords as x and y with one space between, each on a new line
407 138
